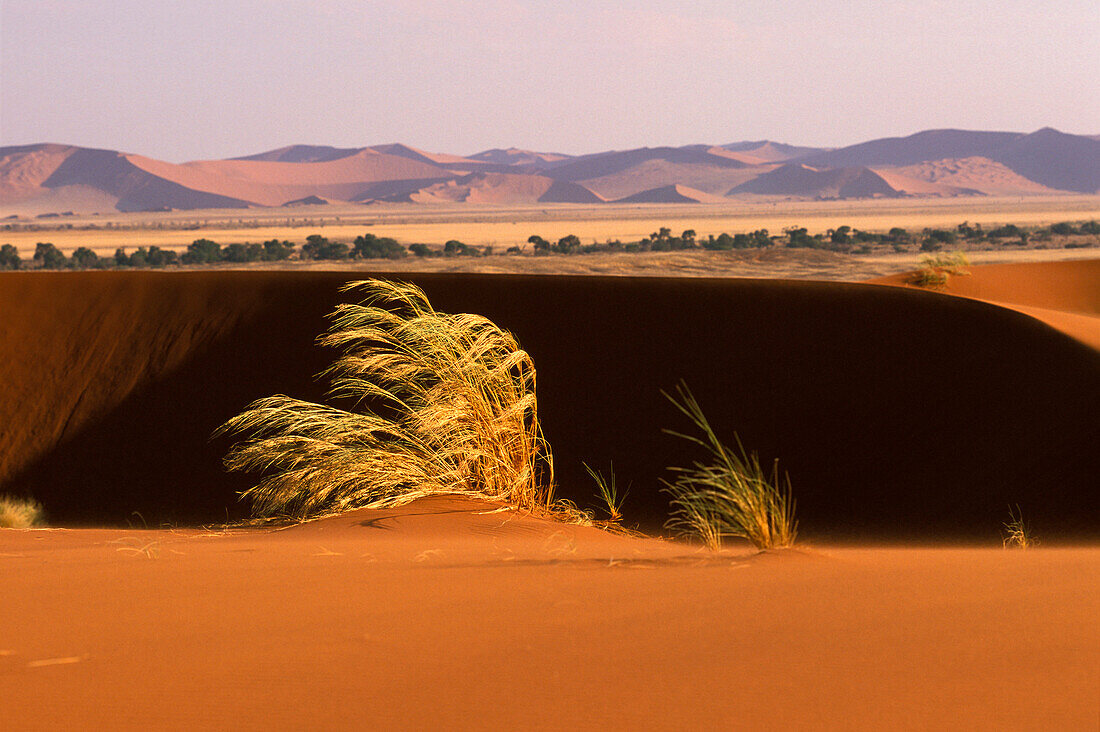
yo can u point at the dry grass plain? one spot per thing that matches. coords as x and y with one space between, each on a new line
504 226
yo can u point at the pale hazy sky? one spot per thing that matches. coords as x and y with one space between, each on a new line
194 79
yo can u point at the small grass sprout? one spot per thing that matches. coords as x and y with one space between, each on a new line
732 495
608 493
936 270
1017 532
20 513
436 403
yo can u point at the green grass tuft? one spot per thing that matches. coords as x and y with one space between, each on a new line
20 513
437 403
731 496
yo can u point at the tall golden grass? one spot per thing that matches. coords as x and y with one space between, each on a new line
20 513
437 403
731 496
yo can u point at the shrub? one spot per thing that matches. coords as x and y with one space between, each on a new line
732 495
84 258
200 251
439 403
9 257
318 247
370 246
1064 228
20 513
47 256
1090 227
277 251
935 271
455 248
239 253
157 257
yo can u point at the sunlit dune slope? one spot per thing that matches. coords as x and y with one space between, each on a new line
1065 295
897 413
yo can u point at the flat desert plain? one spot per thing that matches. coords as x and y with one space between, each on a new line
909 420
504 226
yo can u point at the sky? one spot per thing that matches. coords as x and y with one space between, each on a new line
201 79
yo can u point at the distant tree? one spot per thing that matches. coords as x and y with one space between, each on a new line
1090 227
799 238
724 242
9 257
238 253
1004 232
455 248
84 258
277 251
569 244
121 260
47 256
423 250
140 257
318 247
370 246
541 245
688 237
898 234
840 235
158 257
513 250
1064 228
202 251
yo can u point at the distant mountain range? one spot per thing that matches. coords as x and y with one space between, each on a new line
44 178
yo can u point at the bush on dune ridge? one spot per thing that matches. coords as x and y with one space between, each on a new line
440 403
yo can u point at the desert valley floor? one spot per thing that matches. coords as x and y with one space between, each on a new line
909 420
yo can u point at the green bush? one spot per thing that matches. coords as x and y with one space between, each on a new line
47 256
9 257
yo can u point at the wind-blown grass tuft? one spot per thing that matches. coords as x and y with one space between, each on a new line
20 513
731 496
935 271
1017 532
437 403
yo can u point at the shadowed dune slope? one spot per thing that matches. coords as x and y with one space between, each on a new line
1065 295
897 413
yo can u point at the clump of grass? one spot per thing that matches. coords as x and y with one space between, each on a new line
20 513
936 270
439 403
731 496
607 491
1017 532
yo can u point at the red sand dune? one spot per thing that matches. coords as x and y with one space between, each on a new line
898 413
1065 295
445 615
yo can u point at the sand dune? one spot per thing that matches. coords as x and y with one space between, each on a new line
498 188
795 179
928 429
961 176
51 178
672 194
765 151
515 156
410 618
1064 295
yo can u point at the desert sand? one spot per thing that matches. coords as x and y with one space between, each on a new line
909 420
446 614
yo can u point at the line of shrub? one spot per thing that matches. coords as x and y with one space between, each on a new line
316 247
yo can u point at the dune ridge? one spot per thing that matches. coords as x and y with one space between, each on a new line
820 375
